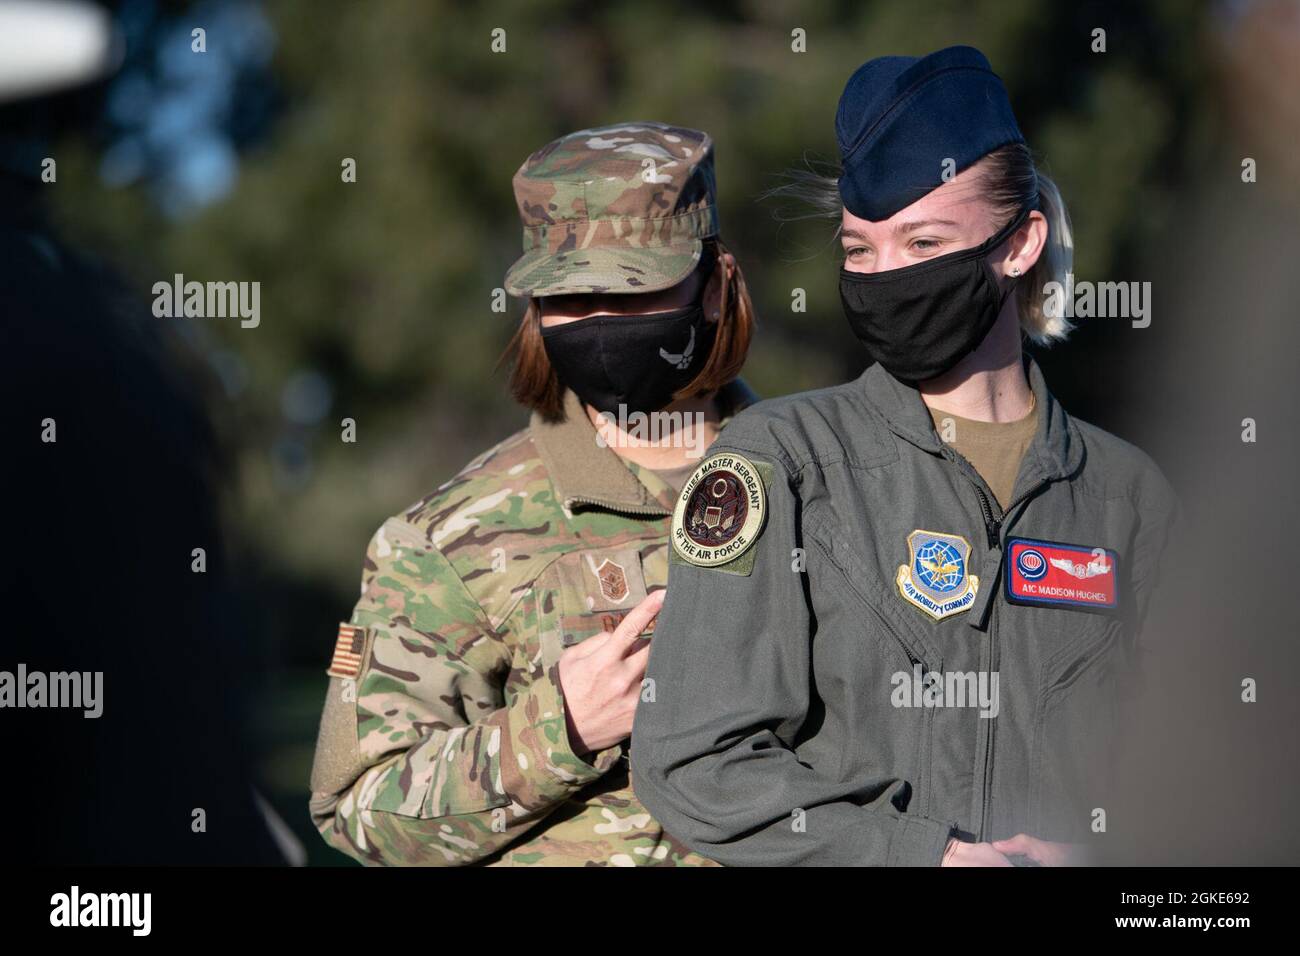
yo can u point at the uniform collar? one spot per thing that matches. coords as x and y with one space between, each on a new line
586 474
1057 448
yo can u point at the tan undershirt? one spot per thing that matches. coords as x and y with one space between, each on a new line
994 449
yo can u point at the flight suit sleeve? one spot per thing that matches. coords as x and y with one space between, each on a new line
1161 525
711 753
447 746
1161 522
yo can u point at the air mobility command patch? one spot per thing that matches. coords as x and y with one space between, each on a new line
720 514
935 577
1061 575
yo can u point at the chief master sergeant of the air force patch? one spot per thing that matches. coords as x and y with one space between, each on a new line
720 514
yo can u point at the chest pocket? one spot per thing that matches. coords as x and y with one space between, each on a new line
586 592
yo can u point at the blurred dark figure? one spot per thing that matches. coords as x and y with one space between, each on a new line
100 529
1209 777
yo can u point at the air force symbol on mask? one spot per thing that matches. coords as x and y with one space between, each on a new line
682 360
935 577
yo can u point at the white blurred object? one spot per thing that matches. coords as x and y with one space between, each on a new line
295 854
48 44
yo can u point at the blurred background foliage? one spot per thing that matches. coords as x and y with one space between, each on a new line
376 296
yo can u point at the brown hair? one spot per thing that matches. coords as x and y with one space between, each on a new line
533 381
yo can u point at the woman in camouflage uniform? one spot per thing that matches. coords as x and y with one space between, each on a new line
481 697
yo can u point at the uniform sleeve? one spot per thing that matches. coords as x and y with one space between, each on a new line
447 747
711 754
1160 522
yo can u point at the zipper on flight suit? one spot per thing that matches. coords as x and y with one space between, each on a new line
995 650
993 539
993 528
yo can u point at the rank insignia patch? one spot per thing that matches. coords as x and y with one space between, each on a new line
719 512
613 580
936 577
1050 573
349 652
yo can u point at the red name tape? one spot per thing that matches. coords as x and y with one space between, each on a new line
1051 573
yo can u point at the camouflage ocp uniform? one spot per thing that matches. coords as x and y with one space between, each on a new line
449 746
444 739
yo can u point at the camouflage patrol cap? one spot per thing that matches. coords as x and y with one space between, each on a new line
615 209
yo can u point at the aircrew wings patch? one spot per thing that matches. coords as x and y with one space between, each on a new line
720 513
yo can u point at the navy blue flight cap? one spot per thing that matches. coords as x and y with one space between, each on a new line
900 117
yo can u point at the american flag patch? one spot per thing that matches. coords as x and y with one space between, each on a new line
349 650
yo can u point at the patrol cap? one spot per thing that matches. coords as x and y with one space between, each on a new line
901 117
621 208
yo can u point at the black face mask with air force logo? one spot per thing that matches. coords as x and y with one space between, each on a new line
638 361
921 320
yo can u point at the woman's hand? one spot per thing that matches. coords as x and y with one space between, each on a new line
601 680
960 853
1040 851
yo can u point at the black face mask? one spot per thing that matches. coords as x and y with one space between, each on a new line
920 321
636 361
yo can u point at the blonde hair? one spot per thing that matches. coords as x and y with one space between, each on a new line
1011 180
